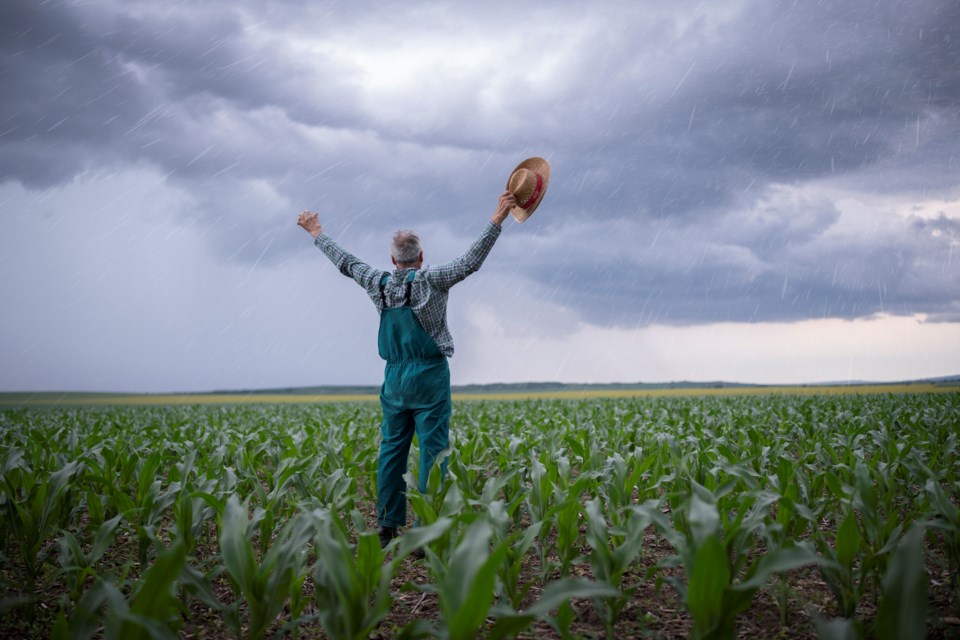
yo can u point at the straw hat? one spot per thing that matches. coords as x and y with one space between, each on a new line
528 183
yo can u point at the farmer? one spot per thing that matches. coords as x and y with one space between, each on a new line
415 341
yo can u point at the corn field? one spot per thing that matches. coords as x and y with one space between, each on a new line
703 517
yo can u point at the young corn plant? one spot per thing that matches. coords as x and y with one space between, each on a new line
841 564
514 491
465 584
880 523
566 518
441 501
713 556
793 520
148 505
902 613
945 516
566 511
77 565
465 587
36 506
263 586
470 477
434 502
273 498
191 515
554 501
540 496
82 620
493 490
517 542
352 582
612 552
94 483
622 478
153 610
556 596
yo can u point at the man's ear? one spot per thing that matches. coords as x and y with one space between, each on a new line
393 260
420 257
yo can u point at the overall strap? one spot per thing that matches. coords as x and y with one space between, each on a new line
383 283
406 298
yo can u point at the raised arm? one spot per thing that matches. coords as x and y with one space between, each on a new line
347 263
446 275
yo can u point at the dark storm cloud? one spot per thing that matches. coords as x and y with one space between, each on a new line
682 116
782 258
791 92
84 86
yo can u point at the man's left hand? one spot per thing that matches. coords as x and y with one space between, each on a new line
310 222
507 202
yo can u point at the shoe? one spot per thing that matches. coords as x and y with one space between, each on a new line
386 535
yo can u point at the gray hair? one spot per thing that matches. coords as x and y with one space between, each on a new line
406 247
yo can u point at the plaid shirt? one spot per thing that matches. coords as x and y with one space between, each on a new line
431 285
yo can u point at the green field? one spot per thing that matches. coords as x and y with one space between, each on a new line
714 515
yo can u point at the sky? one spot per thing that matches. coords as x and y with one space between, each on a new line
741 190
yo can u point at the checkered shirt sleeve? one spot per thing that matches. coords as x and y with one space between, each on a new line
448 274
348 264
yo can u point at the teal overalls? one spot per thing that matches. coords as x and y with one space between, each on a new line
415 396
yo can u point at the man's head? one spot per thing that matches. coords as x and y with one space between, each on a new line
406 251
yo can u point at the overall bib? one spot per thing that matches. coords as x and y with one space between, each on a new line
415 397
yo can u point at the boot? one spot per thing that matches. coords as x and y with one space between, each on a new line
386 535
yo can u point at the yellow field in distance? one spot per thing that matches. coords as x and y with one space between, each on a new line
587 394
724 391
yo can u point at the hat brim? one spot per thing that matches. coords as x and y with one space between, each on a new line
540 167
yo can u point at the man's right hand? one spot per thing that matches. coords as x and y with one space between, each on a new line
310 222
504 206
